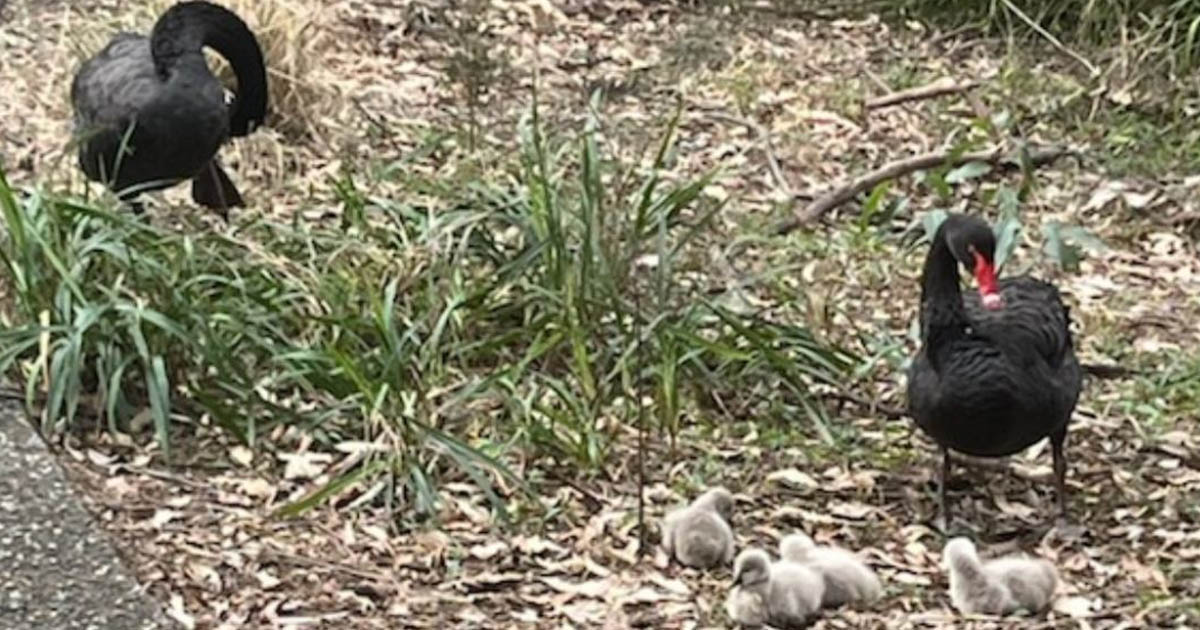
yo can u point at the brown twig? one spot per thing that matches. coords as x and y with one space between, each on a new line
1190 460
941 87
870 405
163 475
887 91
380 124
1105 372
282 557
587 64
590 500
962 30
1189 216
995 156
764 137
11 393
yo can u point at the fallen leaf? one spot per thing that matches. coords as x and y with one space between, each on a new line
266 579
176 611
489 550
1073 606
256 487
595 589
304 465
162 517
241 456
794 478
850 510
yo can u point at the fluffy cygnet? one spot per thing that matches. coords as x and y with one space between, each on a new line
746 606
788 592
1000 586
699 535
847 578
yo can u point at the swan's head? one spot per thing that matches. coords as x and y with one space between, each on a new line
751 567
719 500
796 547
958 551
974 246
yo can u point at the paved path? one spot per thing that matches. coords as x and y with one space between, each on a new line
58 570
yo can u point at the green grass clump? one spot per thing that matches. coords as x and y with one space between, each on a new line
524 317
1172 24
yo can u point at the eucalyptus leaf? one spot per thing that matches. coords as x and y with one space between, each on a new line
1082 237
1008 201
932 221
1065 254
1007 232
1001 119
968 171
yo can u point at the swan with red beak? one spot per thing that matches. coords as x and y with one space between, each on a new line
996 371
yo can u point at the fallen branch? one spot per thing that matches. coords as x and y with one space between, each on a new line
841 194
938 88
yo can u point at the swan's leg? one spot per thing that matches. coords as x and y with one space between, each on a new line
1060 471
1065 529
943 504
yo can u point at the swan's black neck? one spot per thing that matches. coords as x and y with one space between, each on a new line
185 28
943 318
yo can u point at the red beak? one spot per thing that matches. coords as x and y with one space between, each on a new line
985 276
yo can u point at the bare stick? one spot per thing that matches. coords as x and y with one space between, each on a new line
884 410
1105 372
636 385
593 502
845 192
962 30
941 87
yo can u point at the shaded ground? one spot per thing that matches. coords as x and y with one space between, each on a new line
201 536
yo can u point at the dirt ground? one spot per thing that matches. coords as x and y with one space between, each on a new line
202 537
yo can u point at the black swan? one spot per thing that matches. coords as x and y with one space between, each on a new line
149 113
996 371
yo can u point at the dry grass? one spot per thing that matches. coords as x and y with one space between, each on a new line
294 36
